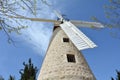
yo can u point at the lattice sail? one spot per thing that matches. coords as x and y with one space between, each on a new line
79 39
87 24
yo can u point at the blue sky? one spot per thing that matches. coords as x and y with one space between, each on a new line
103 60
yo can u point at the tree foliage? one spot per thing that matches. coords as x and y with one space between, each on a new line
15 13
11 77
112 18
29 72
117 77
112 14
1 78
10 8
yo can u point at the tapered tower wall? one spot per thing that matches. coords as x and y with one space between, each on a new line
58 65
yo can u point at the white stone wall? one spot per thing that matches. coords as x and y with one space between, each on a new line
56 66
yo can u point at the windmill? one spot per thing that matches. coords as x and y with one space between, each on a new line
63 60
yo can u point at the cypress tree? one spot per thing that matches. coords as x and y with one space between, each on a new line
11 78
1 78
29 72
118 76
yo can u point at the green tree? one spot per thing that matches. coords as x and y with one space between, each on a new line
1 78
11 78
29 72
118 76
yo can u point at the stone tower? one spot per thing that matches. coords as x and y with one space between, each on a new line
63 61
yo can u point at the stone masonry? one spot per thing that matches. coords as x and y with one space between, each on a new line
56 65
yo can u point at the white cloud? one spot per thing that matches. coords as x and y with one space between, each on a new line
38 34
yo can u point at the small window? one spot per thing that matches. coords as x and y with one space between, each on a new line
65 39
71 58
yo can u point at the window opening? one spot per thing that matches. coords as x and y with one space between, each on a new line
71 58
65 39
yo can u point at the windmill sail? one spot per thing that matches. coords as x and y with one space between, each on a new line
87 24
58 15
79 39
